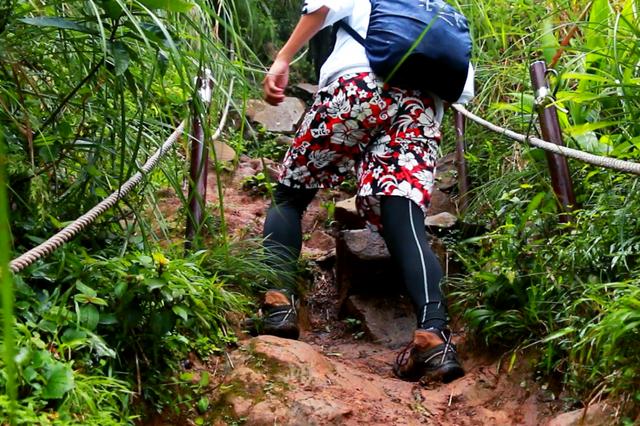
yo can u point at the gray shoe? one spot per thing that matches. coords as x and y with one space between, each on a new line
437 363
276 319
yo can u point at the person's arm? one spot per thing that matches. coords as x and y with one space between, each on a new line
277 78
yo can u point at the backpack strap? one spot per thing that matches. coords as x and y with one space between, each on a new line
353 33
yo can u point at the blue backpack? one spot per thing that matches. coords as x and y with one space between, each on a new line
418 44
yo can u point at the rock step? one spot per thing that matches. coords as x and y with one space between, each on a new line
270 381
388 321
281 119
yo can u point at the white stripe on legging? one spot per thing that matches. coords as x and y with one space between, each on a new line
424 268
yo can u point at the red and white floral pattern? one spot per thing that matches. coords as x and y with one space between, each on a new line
389 135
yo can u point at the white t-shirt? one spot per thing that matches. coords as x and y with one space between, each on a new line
349 56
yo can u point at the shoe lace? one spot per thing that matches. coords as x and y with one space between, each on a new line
403 356
447 345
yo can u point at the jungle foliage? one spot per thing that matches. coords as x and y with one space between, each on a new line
89 89
567 290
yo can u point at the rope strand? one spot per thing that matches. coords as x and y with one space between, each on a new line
596 160
70 231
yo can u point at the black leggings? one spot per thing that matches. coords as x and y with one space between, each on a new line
404 233
283 230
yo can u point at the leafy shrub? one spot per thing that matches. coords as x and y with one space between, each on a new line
92 316
570 289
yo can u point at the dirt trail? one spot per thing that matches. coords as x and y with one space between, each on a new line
333 375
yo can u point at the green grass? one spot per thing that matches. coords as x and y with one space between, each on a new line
6 281
568 291
88 90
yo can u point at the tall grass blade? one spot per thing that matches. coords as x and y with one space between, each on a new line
6 281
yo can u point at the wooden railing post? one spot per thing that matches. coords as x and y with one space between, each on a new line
199 159
464 183
558 166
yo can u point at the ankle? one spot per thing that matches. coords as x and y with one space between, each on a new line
433 315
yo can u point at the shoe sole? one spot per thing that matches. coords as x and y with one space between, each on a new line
446 373
292 333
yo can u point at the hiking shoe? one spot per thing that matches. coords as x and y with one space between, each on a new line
430 357
278 316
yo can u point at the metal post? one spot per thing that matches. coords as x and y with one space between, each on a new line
464 183
558 167
199 160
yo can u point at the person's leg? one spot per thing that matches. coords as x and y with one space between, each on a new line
283 230
282 244
430 356
327 144
406 238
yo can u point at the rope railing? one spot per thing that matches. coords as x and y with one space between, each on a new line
67 233
596 160
70 231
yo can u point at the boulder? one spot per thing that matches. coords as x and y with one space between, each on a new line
304 91
294 359
365 244
282 118
441 202
389 321
240 406
268 413
446 173
307 87
364 266
446 180
444 220
284 140
224 154
319 246
305 387
305 410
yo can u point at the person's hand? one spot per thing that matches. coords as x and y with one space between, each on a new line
276 81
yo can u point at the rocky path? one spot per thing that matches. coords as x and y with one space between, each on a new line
335 374
340 371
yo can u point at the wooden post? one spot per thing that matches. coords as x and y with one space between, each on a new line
464 183
558 166
199 160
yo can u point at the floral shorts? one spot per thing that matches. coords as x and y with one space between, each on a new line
390 137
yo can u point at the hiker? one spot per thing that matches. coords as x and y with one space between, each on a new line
390 135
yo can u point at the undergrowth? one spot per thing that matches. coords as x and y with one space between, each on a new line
88 90
568 290
571 290
99 335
